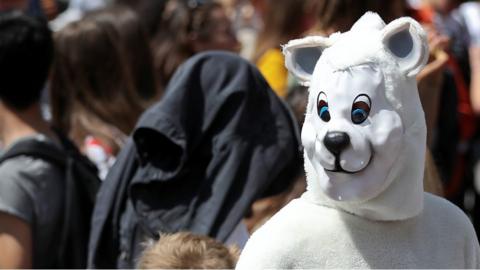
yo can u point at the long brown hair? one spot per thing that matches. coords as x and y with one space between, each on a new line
136 45
281 23
388 10
172 44
149 13
339 15
92 89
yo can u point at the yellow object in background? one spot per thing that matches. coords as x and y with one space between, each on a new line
272 66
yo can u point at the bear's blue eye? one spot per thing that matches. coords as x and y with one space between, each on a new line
360 109
359 115
324 113
322 107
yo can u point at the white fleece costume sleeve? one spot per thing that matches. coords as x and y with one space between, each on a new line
364 137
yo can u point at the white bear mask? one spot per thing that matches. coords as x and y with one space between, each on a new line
364 132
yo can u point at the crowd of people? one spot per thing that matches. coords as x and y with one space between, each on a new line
125 122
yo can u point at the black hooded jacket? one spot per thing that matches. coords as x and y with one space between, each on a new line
219 139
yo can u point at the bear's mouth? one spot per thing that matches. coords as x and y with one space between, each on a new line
338 168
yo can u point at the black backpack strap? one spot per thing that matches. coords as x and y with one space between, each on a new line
66 143
84 165
37 149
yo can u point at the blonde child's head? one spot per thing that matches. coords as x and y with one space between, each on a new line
188 251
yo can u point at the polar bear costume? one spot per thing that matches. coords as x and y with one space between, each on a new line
364 137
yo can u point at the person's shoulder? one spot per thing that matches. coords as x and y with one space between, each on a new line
24 167
26 181
29 167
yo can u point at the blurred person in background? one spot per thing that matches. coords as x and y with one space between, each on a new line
6 5
460 23
468 13
149 12
101 82
178 29
31 189
75 11
46 9
187 28
463 24
284 20
337 15
389 10
247 22
456 149
435 87
134 40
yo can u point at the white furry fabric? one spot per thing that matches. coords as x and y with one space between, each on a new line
307 235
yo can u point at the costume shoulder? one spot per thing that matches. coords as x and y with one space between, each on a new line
440 210
446 220
285 241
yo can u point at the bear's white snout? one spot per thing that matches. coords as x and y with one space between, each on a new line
343 151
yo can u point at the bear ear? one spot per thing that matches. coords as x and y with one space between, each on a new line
406 41
301 56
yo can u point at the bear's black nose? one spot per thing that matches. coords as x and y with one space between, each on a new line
336 142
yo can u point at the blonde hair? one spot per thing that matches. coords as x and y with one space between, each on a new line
185 250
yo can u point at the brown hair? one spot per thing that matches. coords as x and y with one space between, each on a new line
136 45
93 91
339 15
188 251
388 10
149 12
281 23
172 44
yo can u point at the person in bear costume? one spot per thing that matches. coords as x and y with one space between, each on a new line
364 141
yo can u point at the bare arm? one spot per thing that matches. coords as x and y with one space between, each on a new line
15 242
475 78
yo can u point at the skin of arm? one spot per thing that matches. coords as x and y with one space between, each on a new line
474 53
15 243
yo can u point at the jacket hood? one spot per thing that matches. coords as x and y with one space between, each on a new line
219 139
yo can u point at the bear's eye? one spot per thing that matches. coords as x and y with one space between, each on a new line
322 107
360 109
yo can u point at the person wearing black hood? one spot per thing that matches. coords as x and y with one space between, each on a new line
219 139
